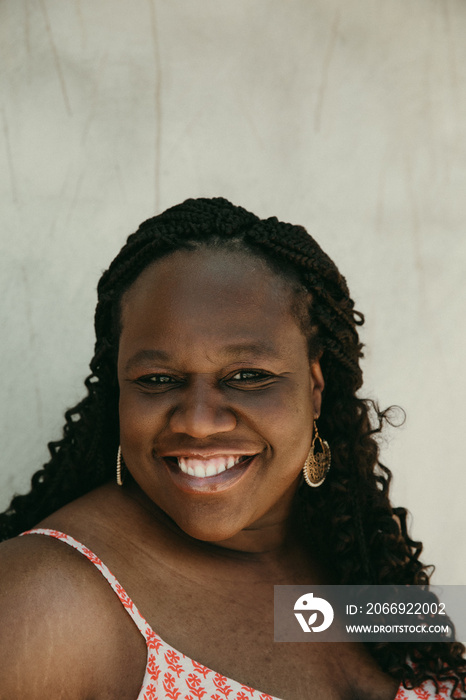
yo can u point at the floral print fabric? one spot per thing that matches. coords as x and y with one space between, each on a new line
171 675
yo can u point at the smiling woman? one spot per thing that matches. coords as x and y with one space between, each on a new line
210 410
221 340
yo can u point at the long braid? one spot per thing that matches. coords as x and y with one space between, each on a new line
350 515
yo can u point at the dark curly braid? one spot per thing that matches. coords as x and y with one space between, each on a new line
362 537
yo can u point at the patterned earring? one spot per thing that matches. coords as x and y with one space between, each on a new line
119 480
317 464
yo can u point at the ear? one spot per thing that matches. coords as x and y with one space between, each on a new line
317 385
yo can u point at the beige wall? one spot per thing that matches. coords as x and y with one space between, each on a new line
347 117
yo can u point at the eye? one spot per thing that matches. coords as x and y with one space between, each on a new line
157 381
250 377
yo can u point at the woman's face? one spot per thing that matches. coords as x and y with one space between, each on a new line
217 394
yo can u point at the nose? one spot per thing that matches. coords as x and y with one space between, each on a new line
202 411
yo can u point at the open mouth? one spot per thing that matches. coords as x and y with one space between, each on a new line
205 468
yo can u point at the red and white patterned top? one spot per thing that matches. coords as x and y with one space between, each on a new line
171 675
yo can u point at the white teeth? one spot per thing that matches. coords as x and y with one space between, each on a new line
206 467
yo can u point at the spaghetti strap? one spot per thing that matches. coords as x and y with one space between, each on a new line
142 625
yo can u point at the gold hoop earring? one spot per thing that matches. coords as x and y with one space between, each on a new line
317 464
119 479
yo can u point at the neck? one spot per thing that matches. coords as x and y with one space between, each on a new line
266 538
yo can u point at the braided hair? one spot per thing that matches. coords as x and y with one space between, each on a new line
363 538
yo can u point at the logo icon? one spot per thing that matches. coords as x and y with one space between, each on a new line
309 604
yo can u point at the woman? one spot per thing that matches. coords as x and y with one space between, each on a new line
221 341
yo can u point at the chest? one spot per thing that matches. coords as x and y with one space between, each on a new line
229 628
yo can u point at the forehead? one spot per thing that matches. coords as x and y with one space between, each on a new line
216 295
190 277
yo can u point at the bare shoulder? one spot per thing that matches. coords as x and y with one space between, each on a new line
60 627
43 616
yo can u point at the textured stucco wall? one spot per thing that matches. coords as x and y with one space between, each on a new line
349 118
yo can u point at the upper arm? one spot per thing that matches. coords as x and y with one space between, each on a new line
48 635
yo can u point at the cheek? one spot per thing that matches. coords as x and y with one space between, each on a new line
293 425
138 420
283 418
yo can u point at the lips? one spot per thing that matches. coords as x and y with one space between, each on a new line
212 473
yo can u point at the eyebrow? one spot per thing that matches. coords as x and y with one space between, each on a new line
234 350
143 357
